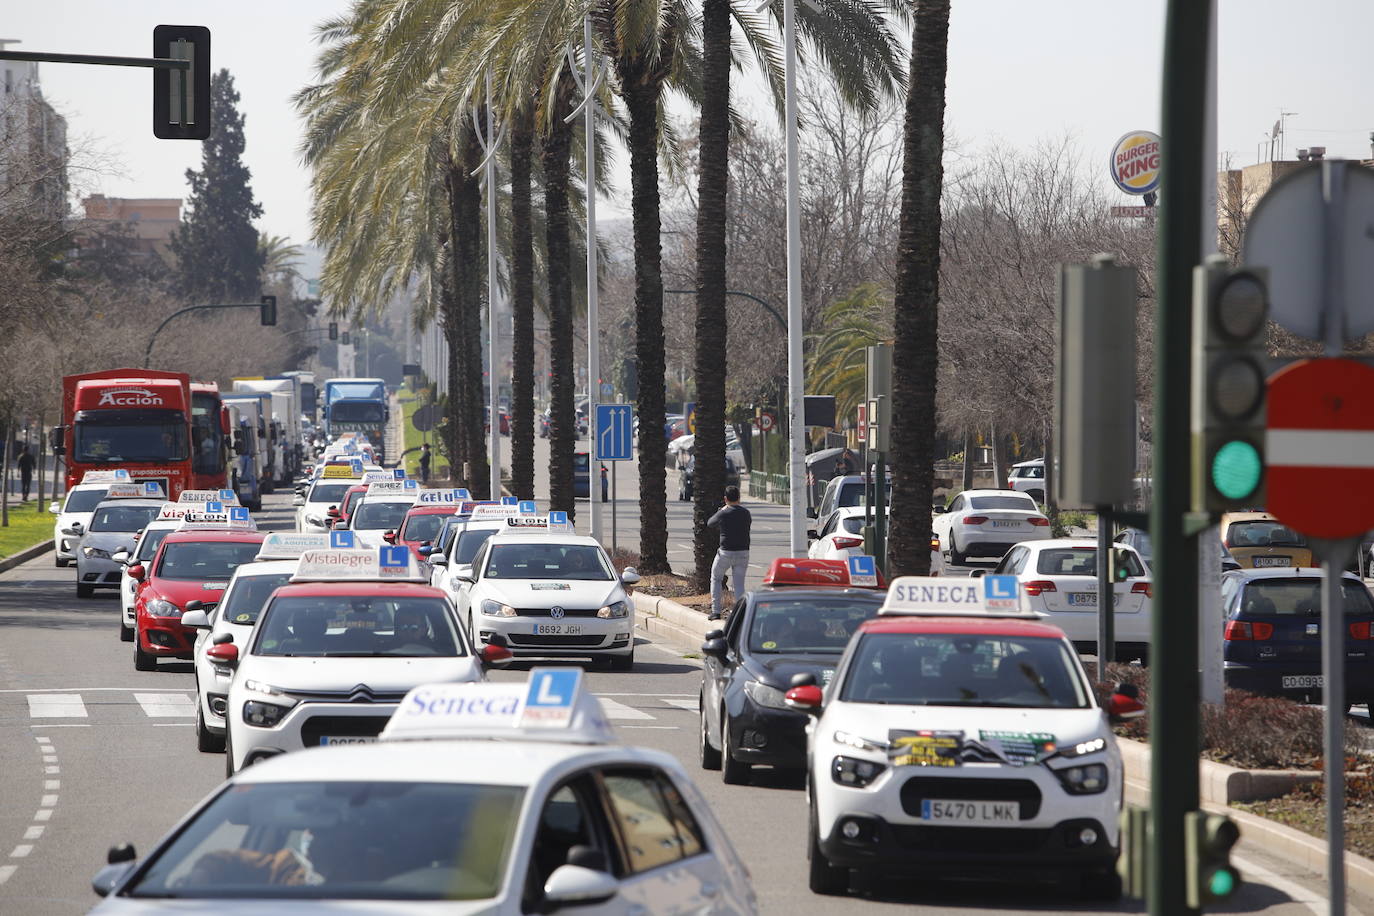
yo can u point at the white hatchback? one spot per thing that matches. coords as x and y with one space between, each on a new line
312 511
144 551
1058 579
986 523
75 509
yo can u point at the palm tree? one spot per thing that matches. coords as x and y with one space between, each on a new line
861 51
522 303
917 298
280 258
838 361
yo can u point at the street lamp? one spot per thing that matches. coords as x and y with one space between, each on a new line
796 385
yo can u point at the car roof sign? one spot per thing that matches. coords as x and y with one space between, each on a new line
110 476
806 572
509 501
289 545
228 518
387 564
208 496
377 477
491 512
553 705
438 497
863 571
536 524
955 597
337 471
341 540
528 507
176 511
150 489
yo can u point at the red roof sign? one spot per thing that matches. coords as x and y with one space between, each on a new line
803 571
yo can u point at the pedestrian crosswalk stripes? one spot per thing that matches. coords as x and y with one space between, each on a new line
59 707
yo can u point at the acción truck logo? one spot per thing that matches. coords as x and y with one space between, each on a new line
1135 162
129 397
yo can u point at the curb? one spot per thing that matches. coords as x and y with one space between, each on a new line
23 556
1220 784
1287 842
670 620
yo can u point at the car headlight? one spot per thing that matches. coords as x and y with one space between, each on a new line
264 688
263 715
1083 748
618 609
161 607
858 742
496 609
96 553
314 520
764 695
1089 779
855 773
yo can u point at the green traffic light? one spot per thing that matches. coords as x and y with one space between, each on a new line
1236 469
1222 883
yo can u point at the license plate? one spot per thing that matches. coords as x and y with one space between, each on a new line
1082 599
557 629
970 812
332 740
1006 524
1273 561
1304 680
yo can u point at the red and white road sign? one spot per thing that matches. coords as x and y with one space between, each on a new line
863 422
1319 447
765 421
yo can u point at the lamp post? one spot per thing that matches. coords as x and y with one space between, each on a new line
796 429
490 141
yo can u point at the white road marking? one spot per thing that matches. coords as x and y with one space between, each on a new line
34 832
43 740
163 705
56 706
47 801
689 705
174 724
88 689
616 710
21 851
43 814
600 694
671 728
52 770
1316 903
6 871
63 725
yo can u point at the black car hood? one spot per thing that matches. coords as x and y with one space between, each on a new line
778 670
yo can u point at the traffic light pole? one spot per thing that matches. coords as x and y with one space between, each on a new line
1106 594
148 351
1174 714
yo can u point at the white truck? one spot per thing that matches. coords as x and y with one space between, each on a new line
248 412
284 394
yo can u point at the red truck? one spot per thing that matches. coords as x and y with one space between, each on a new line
136 419
210 443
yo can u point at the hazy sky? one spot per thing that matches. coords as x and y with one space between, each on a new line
1019 70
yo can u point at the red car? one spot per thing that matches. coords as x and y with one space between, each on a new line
421 526
339 517
190 565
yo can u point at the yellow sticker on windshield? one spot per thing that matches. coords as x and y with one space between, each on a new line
243 618
770 645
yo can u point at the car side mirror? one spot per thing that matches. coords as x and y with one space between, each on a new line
389 537
196 619
938 509
341 524
806 698
436 559
137 572
812 534
714 634
195 604
332 512
574 885
120 860
1124 703
811 512
298 501
977 573
226 653
55 508
120 556
425 548
494 655
716 648
222 638
77 528
629 576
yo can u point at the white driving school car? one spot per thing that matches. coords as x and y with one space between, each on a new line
493 799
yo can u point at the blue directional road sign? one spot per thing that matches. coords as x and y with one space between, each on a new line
615 429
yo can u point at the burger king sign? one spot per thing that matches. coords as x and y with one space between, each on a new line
1135 162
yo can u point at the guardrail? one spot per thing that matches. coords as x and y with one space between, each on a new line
771 487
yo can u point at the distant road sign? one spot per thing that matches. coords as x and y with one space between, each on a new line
424 418
607 390
1321 439
615 427
766 421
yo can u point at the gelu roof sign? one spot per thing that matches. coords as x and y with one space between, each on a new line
1135 164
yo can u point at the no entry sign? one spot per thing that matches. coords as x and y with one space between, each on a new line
1320 447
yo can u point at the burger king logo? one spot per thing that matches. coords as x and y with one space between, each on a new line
1135 162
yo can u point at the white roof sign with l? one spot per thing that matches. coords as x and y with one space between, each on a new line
111 476
289 545
358 565
208 496
952 597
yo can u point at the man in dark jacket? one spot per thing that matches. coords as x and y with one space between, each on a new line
733 522
26 463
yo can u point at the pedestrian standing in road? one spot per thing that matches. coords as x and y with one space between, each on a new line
25 462
733 522
605 485
424 463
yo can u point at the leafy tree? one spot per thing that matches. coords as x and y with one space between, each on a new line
216 246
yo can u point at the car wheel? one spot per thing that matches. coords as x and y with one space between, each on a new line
732 771
710 756
822 877
955 557
1104 885
126 633
206 742
143 661
624 662
84 591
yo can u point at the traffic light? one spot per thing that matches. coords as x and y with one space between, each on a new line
1132 863
269 311
1230 309
1211 876
333 330
346 339
178 114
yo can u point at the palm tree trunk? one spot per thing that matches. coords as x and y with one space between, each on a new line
711 336
916 299
641 95
468 260
558 242
450 319
522 304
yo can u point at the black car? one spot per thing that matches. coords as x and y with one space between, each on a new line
1273 643
684 492
772 635
1140 540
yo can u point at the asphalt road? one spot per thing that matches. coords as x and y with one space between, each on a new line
93 753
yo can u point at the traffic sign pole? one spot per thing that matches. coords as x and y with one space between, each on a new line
1333 556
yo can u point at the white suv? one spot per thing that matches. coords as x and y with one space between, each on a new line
1028 477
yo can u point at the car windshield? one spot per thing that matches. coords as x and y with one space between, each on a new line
1082 561
243 601
356 412
1035 471
336 840
360 626
130 435
422 527
582 562
1284 597
123 518
84 500
807 626
956 669
854 494
1263 533
205 559
329 492
470 540
374 516
1024 503
150 541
